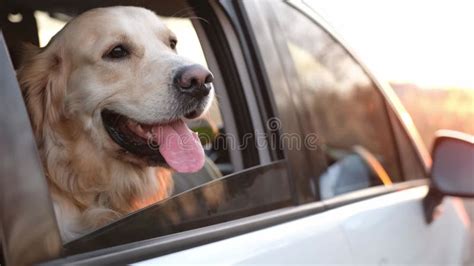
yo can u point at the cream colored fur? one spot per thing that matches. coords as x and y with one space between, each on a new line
66 85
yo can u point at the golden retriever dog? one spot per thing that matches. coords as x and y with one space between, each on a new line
107 99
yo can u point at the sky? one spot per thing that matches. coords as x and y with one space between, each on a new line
428 43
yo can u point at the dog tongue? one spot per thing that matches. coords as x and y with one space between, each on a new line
179 146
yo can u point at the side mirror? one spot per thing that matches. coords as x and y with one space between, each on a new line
452 171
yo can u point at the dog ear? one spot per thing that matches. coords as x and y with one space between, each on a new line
42 84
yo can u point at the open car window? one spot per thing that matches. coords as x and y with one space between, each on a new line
233 183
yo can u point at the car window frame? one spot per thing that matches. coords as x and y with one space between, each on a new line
285 107
250 154
20 208
224 59
235 95
242 71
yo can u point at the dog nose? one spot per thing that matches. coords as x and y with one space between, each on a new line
194 80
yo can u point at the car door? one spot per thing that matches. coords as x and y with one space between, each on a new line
367 173
343 104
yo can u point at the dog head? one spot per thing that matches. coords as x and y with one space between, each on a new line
112 77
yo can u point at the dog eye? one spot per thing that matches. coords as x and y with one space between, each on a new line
117 52
173 43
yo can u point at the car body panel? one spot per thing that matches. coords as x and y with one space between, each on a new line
393 230
385 229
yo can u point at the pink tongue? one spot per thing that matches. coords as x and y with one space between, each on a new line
180 147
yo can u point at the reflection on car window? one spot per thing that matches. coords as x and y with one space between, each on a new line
252 191
411 163
345 107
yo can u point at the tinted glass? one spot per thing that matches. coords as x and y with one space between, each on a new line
248 192
344 107
411 164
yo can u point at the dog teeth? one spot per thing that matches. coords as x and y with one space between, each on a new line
142 130
131 122
149 135
137 128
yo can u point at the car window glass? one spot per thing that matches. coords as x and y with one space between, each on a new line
345 108
252 191
411 163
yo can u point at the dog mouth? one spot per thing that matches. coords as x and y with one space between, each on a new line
170 144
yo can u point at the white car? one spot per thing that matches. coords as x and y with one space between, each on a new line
310 158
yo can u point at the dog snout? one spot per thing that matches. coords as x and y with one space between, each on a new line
194 80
